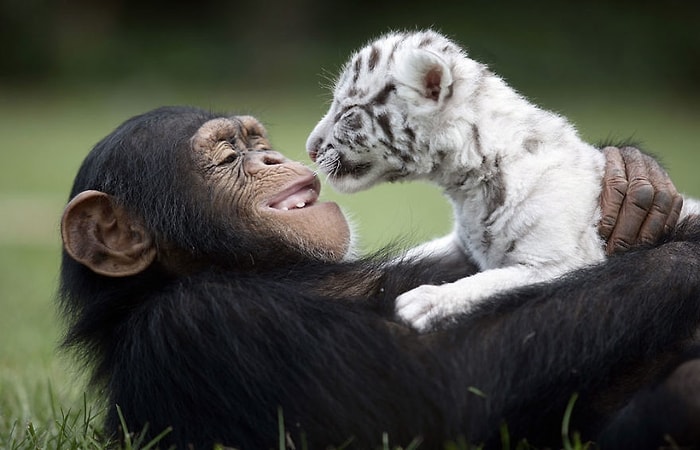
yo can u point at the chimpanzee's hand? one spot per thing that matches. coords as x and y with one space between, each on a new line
639 202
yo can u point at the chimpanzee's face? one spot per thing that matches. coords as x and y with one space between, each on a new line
264 192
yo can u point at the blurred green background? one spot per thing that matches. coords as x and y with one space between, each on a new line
72 70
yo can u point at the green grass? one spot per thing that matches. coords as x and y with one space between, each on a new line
46 133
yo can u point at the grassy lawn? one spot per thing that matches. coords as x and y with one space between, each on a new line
45 134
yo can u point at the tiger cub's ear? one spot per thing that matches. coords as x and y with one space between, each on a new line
424 72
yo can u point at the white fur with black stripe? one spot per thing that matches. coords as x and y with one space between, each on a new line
523 185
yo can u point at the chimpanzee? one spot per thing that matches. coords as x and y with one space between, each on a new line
211 292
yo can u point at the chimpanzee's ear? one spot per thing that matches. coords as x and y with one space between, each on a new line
103 236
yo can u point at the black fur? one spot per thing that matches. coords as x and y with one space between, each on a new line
216 353
663 415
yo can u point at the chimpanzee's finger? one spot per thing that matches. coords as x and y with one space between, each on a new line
614 189
636 205
666 205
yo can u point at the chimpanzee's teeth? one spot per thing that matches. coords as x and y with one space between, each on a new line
300 199
298 206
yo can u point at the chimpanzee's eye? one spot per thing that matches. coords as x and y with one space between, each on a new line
228 159
258 143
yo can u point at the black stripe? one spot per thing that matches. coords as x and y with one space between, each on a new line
495 192
393 50
384 122
373 57
486 239
383 95
477 139
450 92
410 139
357 68
405 157
410 133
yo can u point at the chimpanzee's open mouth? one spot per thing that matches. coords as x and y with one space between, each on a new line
300 195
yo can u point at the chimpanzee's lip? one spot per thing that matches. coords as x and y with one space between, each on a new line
298 195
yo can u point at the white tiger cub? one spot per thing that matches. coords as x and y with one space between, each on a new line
414 106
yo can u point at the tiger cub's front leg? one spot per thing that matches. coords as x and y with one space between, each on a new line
423 306
443 247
